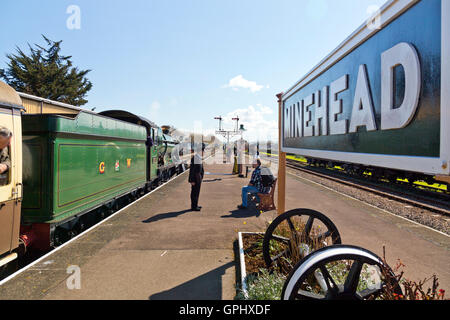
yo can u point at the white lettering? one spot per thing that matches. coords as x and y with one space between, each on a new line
405 55
246 309
286 123
74 280
337 126
293 124
298 120
74 21
321 114
362 113
374 22
308 129
190 310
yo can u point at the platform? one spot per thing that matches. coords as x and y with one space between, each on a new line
158 249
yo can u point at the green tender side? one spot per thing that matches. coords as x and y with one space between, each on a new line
62 161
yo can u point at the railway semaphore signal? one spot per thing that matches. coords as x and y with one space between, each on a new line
228 134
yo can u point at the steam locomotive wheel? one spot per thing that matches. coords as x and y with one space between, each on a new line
339 272
295 234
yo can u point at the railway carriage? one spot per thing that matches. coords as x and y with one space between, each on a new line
11 186
78 167
73 165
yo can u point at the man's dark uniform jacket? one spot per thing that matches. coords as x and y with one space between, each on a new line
196 173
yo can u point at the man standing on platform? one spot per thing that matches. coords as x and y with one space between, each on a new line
196 173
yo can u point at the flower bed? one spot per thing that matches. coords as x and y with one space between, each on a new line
259 283
256 281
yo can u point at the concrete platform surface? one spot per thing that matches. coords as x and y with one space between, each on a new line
158 249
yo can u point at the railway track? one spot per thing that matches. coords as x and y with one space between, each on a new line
437 203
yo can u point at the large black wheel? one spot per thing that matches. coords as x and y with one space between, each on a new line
295 234
339 272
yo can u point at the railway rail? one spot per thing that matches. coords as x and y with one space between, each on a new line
437 203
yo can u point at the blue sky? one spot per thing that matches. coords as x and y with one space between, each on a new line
183 62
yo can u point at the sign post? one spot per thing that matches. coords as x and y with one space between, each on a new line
281 160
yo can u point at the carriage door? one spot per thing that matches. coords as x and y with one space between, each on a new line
16 176
7 189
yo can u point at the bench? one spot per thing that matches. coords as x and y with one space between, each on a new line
267 202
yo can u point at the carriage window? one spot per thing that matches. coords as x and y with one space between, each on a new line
5 158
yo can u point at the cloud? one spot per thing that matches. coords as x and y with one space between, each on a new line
241 82
155 105
260 122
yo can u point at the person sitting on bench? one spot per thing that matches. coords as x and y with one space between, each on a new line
255 186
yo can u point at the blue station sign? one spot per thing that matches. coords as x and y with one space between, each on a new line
382 98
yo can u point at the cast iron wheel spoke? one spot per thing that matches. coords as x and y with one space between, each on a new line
351 283
300 240
295 236
308 227
278 256
281 239
292 227
367 293
306 295
322 236
331 285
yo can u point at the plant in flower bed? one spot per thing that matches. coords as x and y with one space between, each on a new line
266 284
290 243
290 251
412 290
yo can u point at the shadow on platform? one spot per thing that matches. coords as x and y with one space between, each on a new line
241 214
214 180
167 215
208 286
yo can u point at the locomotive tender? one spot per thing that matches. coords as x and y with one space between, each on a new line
70 167
380 102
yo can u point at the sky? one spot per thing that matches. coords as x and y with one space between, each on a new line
184 62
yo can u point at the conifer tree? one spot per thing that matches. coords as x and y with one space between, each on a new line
44 72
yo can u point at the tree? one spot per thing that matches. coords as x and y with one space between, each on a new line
47 74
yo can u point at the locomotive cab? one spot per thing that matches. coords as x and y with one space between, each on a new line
11 179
